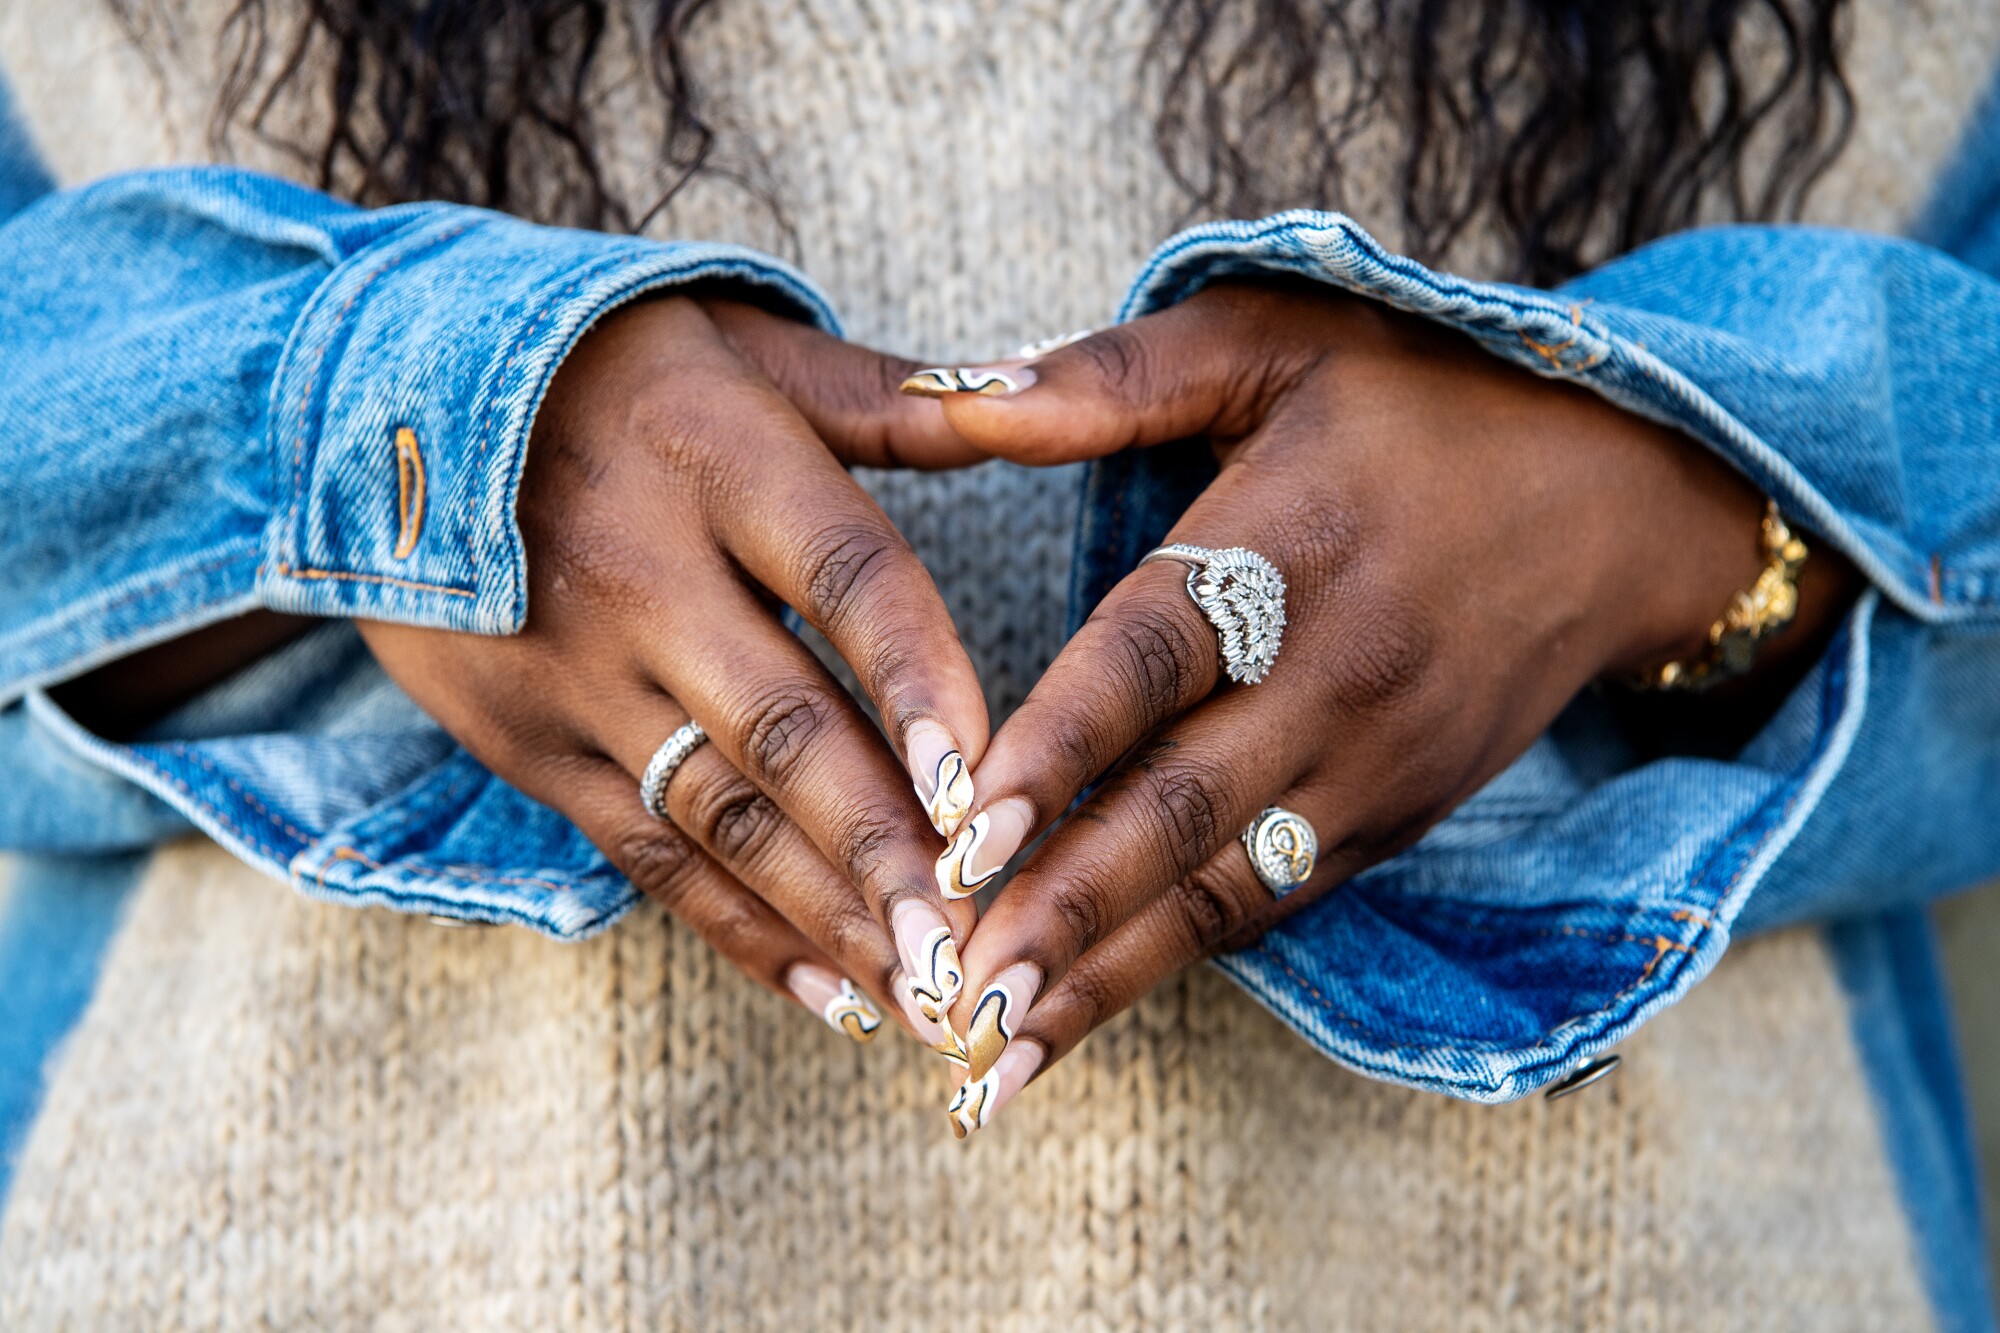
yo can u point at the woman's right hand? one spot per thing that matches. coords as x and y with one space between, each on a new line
676 491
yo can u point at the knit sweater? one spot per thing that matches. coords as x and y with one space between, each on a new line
285 1113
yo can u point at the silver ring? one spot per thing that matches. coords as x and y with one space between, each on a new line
1243 595
1283 849
687 738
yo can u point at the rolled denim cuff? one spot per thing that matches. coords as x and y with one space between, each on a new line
402 404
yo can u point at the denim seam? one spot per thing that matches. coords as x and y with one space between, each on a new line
270 816
284 570
343 852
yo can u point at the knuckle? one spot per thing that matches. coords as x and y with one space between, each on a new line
1211 910
1119 358
1187 799
779 729
842 567
657 861
742 827
1161 662
868 845
1081 914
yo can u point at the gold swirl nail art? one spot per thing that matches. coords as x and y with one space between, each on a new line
938 381
992 1028
953 882
850 1012
951 794
951 1048
940 979
972 1104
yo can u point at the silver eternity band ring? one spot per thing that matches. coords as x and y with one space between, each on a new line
1283 849
1243 596
686 739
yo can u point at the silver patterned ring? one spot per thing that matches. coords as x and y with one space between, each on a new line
1243 595
686 739
1283 849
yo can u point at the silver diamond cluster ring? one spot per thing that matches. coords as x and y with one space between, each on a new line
1243 596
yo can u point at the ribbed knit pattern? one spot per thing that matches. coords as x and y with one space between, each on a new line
279 1113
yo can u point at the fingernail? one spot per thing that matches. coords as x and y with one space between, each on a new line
981 848
986 381
997 1014
975 1104
930 956
938 770
1041 347
938 1036
845 1009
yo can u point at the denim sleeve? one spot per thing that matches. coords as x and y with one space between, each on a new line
1856 380
223 391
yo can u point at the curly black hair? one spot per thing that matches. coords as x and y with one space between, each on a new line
1572 129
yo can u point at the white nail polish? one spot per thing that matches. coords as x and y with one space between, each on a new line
846 1010
982 848
939 774
986 381
975 1103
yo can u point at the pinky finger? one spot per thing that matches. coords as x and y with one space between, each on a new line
666 866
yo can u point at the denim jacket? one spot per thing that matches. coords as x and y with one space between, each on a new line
222 391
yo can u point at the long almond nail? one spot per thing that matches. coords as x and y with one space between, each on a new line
998 1014
938 1036
834 998
938 772
930 956
986 381
982 848
975 1104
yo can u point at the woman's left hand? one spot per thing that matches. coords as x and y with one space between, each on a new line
1465 545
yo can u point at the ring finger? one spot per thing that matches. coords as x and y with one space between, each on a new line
745 832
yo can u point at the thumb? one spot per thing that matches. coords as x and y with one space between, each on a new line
1193 369
847 393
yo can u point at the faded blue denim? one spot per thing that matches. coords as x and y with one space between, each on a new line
207 373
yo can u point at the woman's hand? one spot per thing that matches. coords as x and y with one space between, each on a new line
675 493
1465 546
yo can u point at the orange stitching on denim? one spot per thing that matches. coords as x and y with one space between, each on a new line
1549 351
288 572
1324 1003
409 492
1937 580
455 872
188 752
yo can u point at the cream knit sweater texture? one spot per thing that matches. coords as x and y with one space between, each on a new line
282 1114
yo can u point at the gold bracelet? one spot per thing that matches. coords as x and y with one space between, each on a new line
1754 614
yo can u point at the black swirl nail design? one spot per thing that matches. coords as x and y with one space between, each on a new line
850 1012
940 979
951 794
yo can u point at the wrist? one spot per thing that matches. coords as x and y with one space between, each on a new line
1689 540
